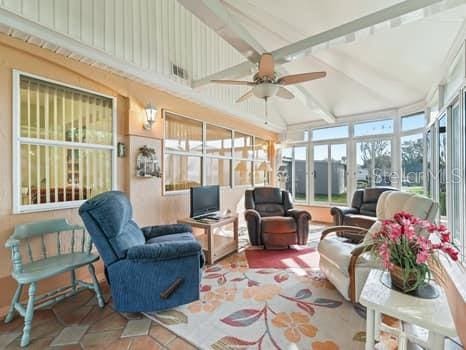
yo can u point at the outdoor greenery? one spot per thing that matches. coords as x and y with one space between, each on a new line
336 198
412 154
414 189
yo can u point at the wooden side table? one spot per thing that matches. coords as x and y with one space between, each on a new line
215 244
431 314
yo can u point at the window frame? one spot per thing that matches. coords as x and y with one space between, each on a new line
348 126
201 154
241 159
204 155
259 162
329 144
368 121
351 141
413 132
17 140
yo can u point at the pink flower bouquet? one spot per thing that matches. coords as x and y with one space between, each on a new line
406 244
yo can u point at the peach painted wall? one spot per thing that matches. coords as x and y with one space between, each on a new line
150 207
318 213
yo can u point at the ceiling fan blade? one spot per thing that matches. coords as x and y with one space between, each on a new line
300 78
232 82
284 93
266 66
245 96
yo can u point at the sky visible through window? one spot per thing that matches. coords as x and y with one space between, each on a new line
374 128
412 122
336 132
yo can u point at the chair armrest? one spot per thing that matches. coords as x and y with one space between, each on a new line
252 213
302 218
298 214
253 221
11 242
361 249
162 230
350 232
339 213
164 251
16 260
343 210
355 253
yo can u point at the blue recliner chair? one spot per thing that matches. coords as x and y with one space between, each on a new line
148 269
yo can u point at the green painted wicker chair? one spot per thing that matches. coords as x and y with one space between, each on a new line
33 260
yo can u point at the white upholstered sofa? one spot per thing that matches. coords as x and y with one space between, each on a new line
343 258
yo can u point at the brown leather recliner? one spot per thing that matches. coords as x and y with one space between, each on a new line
272 221
362 212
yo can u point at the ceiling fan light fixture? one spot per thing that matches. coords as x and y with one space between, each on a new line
265 90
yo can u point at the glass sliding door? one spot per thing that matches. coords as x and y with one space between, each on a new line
382 151
363 165
300 171
338 172
292 174
285 171
330 170
373 163
442 165
412 163
321 173
428 176
455 172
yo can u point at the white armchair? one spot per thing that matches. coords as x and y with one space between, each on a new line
343 258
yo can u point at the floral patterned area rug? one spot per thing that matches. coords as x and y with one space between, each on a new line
243 308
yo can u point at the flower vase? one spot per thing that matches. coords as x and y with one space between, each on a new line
401 281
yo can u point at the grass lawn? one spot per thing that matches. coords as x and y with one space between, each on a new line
414 189
336 198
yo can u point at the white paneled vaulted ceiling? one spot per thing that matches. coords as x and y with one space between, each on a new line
139 39
383 54
395 65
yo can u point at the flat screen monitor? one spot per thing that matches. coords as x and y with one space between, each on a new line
204 200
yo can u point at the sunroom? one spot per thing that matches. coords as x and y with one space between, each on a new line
220 174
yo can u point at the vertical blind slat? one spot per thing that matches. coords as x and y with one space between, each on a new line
72 150
29 146
46 148
37 147
64 155
64 152
55 149
87 153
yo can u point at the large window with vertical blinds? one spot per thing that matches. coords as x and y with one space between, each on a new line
64 149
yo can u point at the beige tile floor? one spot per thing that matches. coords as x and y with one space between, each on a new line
78 323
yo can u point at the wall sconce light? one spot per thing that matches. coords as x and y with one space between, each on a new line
151 113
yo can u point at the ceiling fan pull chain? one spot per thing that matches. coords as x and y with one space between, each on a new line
266 112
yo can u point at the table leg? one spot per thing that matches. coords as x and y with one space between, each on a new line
210 246
377 321
370 342
402 337
235 233
435 341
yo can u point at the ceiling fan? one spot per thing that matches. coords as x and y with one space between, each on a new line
266 83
